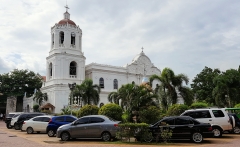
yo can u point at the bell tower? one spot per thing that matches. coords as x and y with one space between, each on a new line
65 62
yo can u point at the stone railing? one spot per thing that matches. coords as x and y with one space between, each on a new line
73 76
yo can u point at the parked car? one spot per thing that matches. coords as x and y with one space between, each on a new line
9 118
58 121
181 127
218 117
36 124
235 123
91 126
25 116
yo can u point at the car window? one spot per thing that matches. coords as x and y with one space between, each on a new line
69 119
84 120
182 121
10 115
166 121
37 119
218 113
198 114
59 119
16 115
96 120
46 119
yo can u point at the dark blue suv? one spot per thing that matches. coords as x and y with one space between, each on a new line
57 121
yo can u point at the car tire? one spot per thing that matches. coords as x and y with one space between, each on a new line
16 126
106 136
148 137
65 136
217 132
9 125
197 137
51 133
30 130
236 130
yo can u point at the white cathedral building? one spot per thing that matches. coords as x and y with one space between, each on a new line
66 64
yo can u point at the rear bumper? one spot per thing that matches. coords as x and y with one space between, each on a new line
208 134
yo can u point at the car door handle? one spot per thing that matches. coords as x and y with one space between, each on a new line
210 120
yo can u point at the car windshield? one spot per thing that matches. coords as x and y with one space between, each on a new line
16 115
10 115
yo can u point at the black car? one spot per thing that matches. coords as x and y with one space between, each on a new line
235 122
9 118
25 116
181 127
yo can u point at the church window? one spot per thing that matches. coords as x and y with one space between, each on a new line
61 37
50 69
52 39
73 68
101 82
115 84
72 38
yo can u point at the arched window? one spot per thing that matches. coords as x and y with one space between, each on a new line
73 68
50 70
115 84
61 37
72 38
101 82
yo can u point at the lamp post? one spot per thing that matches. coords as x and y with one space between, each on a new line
71 87
82 93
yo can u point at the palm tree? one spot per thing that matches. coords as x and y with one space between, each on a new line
169 85
39 97
88 91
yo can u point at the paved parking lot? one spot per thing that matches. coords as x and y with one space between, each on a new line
16 138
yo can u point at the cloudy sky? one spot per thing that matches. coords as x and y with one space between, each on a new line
184 35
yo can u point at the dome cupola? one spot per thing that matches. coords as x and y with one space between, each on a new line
66 18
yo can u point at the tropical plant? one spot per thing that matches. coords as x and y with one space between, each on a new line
88 91
111 110
176 109
88 110
170 84
39 97
36 108
149 115
198 105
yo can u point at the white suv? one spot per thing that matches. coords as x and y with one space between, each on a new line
217 117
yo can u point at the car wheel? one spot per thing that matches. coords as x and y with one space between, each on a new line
16 127
236 130
197 137
30 130
106 136
148 137
65 136
9 125
51 133
217 132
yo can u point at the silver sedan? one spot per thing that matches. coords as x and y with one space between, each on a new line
91 126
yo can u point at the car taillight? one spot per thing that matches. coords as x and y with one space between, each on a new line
50 121
24 122
210 129
115 125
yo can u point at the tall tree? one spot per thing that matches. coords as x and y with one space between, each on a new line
227 88
88 91
170 84
203 85
17 83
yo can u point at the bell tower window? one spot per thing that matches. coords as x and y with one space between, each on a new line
61 38
50 71
73 70
52 40
73 39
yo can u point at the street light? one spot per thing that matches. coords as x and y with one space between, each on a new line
71 87
82 93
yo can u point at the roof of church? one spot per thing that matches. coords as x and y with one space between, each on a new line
139 56
65 21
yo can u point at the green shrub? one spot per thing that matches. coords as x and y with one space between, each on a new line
46 111
199 105
88 110
126 117
36 108
149 115
237 105
176 109
111 110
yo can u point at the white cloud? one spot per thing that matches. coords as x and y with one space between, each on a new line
182 35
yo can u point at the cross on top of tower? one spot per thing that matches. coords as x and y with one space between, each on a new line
66 7
142 49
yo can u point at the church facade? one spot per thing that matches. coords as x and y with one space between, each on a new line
65 65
